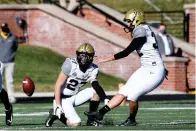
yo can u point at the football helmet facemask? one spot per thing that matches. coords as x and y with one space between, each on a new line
85 54
134 18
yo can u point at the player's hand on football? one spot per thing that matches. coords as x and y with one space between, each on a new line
59 111
106 101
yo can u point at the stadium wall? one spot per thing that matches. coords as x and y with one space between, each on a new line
49 31
190 9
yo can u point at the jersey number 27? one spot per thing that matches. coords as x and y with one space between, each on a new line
74 83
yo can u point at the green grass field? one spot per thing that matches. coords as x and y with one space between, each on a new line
43 66
154 115
125 5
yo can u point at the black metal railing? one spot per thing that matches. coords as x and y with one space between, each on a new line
85 2
177 22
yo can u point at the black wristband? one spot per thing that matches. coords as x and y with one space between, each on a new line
99 90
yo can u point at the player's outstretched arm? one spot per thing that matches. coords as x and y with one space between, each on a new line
60 81
136 42
96 86
106 59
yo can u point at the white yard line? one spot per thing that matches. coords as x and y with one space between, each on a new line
169 108
29 114
46 113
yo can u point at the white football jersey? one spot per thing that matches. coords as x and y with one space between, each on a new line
149 54
77 78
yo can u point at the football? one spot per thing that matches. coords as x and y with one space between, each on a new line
28 86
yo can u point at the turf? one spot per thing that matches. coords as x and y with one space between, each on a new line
153 115
43 66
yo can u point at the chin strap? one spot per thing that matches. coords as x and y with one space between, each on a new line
83 68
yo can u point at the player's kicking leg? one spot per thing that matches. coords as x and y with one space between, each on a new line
114 102
130 121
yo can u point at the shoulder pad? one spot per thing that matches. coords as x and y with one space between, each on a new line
73 60
93 66
74 63
139 31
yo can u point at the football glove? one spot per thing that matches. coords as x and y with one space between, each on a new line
58 111
106 101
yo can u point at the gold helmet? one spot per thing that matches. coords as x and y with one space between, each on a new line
134 17
85 54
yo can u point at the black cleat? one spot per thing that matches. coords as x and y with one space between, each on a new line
63 119
128 122
96 115
94 123
50 119
9 116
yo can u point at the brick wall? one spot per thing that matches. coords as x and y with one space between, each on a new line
190 71
9 17
190 9
192 26
103 22
47 31
177 74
